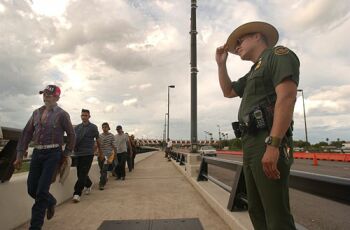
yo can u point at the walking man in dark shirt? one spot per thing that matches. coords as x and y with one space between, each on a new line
86 133
45 128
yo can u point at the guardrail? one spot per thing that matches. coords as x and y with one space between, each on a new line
179 157
238 193
330 187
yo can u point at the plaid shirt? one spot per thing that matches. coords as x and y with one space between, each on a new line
47 131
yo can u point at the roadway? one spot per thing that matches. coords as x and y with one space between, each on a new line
312 212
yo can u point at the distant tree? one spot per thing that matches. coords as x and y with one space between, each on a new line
235 144
322 143
337 143
301 144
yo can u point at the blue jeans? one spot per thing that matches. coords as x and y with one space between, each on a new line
42 168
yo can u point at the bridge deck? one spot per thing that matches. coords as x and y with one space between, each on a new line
154 190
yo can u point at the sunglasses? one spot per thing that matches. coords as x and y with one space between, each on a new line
243 38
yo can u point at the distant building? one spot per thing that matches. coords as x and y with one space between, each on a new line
330 148
345 147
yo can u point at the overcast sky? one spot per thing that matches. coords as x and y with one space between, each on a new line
117 58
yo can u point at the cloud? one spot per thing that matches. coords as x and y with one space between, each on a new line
130 102
93 100
2 8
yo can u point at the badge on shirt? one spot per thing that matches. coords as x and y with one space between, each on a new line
281 50
258 65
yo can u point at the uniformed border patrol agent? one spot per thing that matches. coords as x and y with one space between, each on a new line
268 93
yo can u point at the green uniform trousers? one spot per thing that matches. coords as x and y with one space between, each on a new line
268 200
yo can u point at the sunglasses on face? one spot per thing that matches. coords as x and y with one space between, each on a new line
243 38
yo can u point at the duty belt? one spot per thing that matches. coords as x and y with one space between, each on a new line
52 146
243 127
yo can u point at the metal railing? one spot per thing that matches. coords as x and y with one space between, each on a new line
329 187
238 194
179 157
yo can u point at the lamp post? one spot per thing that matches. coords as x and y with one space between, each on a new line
194 71
219 132
219 136
302 95
169 86
210 134
164 131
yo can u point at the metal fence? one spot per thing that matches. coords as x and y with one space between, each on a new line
329 187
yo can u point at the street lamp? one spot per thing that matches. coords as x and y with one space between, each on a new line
164 131
169 86
302 95
219 132
211 136
219 137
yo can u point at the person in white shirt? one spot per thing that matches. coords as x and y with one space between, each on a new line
122 142
169 147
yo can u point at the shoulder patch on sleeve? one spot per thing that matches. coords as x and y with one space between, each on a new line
281 50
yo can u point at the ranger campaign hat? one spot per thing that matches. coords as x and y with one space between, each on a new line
53 90
266 29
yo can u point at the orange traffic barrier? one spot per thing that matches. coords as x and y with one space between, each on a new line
343 157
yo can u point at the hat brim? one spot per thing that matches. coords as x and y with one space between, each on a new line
268 30
47 91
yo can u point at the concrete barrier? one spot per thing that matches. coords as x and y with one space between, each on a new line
16 204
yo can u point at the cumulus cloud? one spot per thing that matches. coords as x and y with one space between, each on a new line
130 102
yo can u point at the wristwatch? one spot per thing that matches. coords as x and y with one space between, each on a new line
273 141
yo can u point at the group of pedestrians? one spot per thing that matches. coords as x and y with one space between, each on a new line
45 129
113 151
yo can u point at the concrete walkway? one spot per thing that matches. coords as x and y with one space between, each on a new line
154 190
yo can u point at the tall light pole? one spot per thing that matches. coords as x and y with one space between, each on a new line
209 133
164 131
302 95
219 136
194 71
169 86
219 132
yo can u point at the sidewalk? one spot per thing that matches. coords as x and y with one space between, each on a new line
154 190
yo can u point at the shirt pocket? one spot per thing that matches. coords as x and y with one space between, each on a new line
256 82
90 133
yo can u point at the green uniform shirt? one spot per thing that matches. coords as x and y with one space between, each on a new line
273 66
